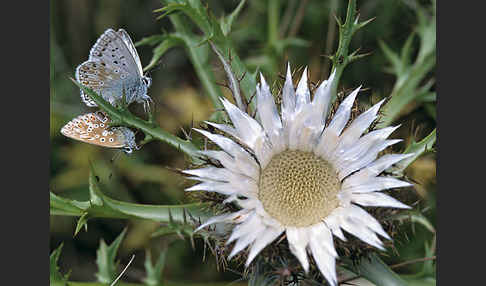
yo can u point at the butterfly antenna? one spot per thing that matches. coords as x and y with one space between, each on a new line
123 271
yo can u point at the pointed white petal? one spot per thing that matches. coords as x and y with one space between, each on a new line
302 133
344 158
330 136
361 147
244 228
324 260
245 161
298 239
326 144
288 98
235 217
323 236
269 235
251 204
231 198
365 218
211 186
377 200
247 127
356 129
333 222
224 143
342 114
365 159
375 168
373 184
212 173
322 98
245 240
362 232
302 93
307 137
268 114
225 128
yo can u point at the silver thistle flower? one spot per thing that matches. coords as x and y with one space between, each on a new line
303 178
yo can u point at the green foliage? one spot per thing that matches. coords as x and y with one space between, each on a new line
197 47
410 74
342 57
99 205
154 272
416 148
55 277
105 259
227 22
377 272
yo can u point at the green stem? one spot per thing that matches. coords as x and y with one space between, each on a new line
122 210
273 15
341 59
126 118
404 90
273 37
202 68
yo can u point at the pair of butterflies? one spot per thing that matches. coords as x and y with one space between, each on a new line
112 70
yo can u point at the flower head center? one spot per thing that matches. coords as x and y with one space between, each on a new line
298 188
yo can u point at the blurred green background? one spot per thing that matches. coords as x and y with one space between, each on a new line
143 176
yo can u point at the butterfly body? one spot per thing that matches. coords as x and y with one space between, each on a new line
93 128
113 69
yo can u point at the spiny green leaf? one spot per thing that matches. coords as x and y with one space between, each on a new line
82 222
154 272
406 51
55 277
95 195
426 30
195 45
429 268
63 206
376 271
392 57
417 148
227 22
169 41
415 217
193 9
427 275
359 25
105 259
150 40
110 208
405 89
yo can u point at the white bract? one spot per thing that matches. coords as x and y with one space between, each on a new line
303 178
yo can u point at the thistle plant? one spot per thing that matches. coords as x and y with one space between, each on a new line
299 181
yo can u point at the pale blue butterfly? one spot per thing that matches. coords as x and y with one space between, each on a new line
114 69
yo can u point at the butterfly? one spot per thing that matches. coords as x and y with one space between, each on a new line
93 128
113 69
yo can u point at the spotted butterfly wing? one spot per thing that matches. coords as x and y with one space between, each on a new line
114 69
93 128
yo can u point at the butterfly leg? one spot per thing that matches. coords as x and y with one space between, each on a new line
146 100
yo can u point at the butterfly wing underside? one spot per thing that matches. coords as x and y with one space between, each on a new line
112 68
93 128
